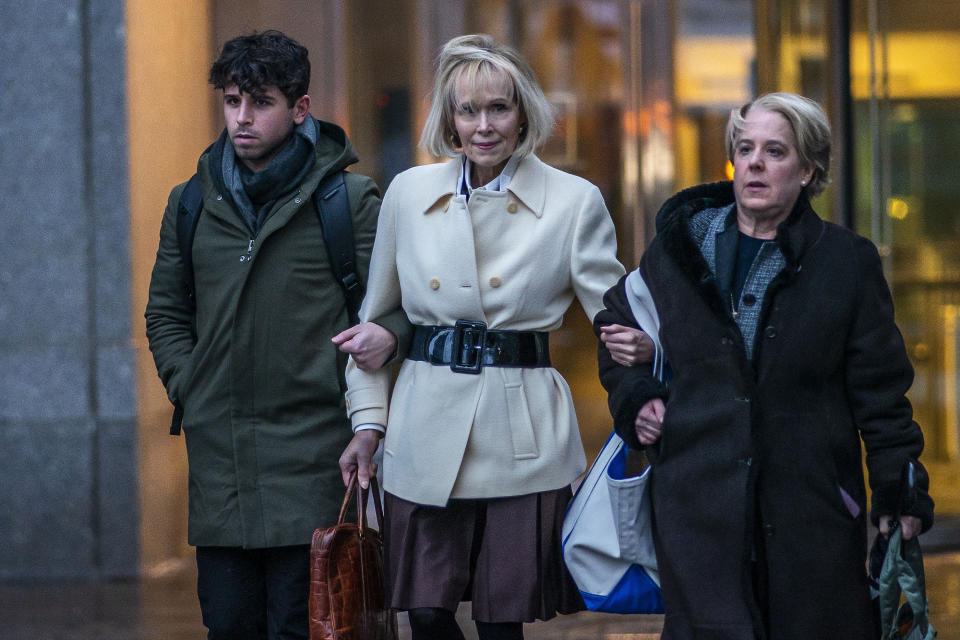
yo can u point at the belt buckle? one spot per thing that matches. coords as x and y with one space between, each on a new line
467 352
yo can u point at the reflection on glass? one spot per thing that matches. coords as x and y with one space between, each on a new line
714 65
906 90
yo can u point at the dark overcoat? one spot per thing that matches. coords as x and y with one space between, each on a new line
761 460
262 386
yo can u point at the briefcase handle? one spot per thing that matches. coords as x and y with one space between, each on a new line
354 488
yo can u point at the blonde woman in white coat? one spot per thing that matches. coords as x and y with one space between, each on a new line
485 254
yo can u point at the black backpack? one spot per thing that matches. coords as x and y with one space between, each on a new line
333 210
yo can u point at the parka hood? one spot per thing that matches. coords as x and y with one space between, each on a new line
333 150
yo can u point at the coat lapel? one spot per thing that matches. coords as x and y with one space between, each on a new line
448 219
216 205
529 184
286 207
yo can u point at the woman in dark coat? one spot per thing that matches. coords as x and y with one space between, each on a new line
779 334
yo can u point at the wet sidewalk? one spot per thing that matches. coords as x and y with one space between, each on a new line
166 608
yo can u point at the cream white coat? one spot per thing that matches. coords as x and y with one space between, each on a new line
513 260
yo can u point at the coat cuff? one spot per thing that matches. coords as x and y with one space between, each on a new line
174 382
886 501
634 391
365 405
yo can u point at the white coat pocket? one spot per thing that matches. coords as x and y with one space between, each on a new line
521 426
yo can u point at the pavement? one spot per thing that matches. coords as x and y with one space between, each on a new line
165 608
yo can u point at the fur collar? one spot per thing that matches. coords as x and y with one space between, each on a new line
800 231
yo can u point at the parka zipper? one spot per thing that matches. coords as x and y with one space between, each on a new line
248 257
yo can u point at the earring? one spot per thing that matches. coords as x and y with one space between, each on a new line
803 183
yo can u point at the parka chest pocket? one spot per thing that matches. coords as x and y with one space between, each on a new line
518 412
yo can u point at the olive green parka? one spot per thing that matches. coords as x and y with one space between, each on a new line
261 385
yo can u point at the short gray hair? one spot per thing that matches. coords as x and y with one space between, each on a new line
810 127
481 60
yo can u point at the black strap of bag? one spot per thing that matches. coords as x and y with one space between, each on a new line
188 214
333 209
336 224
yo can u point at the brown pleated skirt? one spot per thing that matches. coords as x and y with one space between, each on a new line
502 554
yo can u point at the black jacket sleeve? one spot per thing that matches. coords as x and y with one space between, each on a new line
628 388
169 313
878 375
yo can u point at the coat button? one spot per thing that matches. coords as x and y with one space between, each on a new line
749 299
725 340
770 332
495 282
219 196
512 207
297 200
434 284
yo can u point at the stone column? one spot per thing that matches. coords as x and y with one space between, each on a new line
68 463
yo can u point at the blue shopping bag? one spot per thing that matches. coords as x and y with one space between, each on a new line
607 537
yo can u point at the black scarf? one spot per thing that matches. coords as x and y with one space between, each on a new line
254 194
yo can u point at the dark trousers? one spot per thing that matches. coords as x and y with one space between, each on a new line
254 594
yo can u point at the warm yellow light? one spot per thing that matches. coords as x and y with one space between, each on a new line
921 64
897 208
713 70
728 169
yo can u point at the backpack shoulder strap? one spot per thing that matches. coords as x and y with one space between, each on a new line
333 209
188 214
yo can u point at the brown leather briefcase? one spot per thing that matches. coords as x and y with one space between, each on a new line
346 576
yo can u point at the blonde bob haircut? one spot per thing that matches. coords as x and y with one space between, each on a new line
810 127
484 64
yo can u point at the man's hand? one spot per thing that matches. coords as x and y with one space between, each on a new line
627 346
370 345
649 422
358 457
910 525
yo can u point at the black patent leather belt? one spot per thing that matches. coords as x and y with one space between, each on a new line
469 346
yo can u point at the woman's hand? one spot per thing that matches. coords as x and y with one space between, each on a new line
358 457
910 525
370 345
649 422
627 346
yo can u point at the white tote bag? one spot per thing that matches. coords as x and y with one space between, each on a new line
607 536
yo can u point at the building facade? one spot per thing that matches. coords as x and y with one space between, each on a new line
107 106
